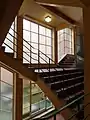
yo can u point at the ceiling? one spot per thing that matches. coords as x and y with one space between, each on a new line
74 13
74 3
36 11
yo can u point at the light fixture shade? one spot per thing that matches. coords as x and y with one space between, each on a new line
48 19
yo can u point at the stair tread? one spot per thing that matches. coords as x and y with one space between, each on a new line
72 86
66 80
72 96
54 76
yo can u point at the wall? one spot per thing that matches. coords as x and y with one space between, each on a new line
79 43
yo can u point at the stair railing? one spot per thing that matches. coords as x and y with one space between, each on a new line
87 117
39 69
55 113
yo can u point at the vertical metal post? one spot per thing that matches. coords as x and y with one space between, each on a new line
38 61
49 68
30 98
54 117
30 48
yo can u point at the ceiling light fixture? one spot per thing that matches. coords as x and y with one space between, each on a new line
48 19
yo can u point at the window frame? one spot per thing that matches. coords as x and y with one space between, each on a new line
39 34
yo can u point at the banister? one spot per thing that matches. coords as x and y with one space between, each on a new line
64 107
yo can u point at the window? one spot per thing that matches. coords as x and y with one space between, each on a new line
9 41
65 43
34 100
36 38
6 94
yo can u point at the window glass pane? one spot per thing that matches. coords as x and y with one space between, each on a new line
50 56
42 58
5 115
34 48
26 96
34 37
6 103
34 27
26 24
11 31
48 32
67 44
42 48
48 41
42 39
6 90
35 88
26 46
61 37
66 50
42 30
67 37
10 38
6 76
26 57
37 98
48 50
26 35
8 46
34 58
62 31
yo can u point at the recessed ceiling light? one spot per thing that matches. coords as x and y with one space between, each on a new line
48 19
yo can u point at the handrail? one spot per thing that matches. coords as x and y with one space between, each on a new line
35 53
79 111
64 107
24 57
26 54
28 49
86 117
32 53
33 47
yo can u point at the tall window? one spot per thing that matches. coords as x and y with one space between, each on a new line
38 37
65 42
6 94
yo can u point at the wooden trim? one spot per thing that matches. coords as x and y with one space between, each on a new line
20 38
58 3
55 46
19 97
62 26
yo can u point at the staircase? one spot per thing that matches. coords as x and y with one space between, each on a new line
67 84
61 84
68 61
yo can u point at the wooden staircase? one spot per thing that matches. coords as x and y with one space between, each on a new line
60 85
68 61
